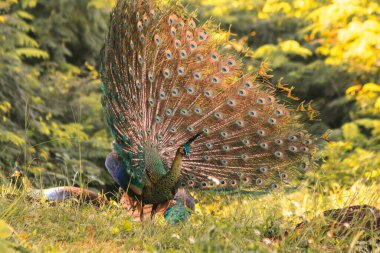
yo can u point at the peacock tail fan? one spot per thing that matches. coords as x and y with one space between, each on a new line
165 79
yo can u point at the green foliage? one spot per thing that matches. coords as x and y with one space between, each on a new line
52 121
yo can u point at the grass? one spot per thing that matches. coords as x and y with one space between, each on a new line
222 223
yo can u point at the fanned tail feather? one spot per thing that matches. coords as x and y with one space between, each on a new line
165 79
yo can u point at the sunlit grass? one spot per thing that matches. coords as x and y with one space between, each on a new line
221 223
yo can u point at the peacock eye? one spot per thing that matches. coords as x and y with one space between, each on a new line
193 45
183 54
152 14
259 181
197 76
214 56
208 93
252 113
215 79
279 142
242 92
248 84
284 176
168 54
162 95
260 101
166 73
272 121
157 40
225 70
175 92
198 110
278 154
261 132
173 31
279 112
230 63
231 102
177 43
181 70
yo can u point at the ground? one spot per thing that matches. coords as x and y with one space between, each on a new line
223 222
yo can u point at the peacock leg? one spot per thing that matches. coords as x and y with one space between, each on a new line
142 212
154 211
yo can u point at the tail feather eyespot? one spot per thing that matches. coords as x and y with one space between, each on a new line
193 45
261 132
139 26
177 43
259 181
173 19
214 56
173 31
279 141
261 101
223 182
204 184
192 24
263 169
245 180
272 121
248 84
189 35
233 183
279 154
308 142
284 176
152 14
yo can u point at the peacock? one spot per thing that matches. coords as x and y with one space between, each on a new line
184 113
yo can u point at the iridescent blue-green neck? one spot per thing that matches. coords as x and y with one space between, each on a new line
161 189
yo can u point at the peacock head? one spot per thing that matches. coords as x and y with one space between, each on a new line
185 149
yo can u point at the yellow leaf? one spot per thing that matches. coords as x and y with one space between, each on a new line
3 18
5 230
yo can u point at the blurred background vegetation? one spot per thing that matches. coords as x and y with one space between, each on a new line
50 111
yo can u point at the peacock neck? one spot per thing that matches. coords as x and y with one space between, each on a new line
175 171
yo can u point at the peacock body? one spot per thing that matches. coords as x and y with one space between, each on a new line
184 113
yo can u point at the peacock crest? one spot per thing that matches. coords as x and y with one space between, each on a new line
166 79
